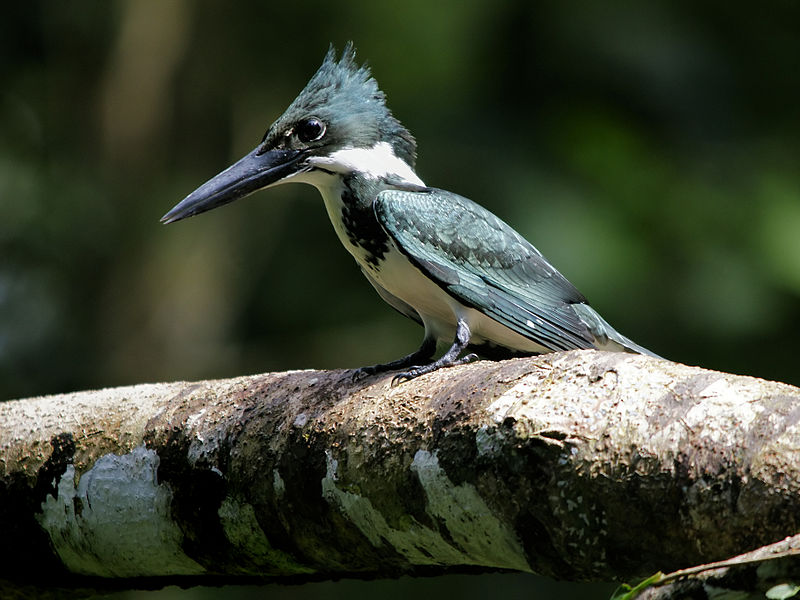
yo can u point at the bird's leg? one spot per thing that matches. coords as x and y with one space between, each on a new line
448 359
425 353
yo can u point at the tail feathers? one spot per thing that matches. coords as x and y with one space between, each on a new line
606 337
615 337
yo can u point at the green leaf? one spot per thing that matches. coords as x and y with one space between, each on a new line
783 591
626 592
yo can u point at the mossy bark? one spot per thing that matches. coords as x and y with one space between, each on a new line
581 465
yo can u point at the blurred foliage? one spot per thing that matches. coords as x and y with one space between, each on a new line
650 150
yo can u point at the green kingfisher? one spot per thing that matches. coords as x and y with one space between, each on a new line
438 258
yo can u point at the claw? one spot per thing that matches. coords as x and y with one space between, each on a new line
405 376
466 359
363 373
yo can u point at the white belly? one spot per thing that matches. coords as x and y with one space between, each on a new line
397 276
438 310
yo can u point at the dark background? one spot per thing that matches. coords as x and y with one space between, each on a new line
649 150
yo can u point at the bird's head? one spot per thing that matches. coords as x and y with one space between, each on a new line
337 125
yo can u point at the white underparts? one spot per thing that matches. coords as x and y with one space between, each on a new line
396 274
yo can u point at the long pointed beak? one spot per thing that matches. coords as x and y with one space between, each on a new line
253 172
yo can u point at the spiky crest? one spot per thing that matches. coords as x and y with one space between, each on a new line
346 97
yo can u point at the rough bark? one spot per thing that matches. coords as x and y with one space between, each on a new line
581 465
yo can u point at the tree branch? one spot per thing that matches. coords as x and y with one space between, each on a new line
581 465
767 572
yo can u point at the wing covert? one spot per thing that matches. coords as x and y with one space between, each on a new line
485 264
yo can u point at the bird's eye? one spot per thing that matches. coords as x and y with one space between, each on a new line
310 130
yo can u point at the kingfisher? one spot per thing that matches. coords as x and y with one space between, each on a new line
438 258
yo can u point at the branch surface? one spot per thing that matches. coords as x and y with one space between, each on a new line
581 465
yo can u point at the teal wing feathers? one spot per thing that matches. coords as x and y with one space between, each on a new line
485 264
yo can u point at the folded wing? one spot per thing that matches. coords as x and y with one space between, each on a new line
485 264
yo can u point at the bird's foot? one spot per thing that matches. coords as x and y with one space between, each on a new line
364 372
424 353
415 372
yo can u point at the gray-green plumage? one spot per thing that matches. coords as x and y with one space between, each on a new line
344 92
485 264
482 261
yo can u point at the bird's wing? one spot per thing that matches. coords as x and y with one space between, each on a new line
485 264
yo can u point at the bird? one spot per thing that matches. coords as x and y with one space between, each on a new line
436 257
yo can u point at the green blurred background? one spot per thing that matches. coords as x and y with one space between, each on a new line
649 150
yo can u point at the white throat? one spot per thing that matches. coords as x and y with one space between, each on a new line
377 161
